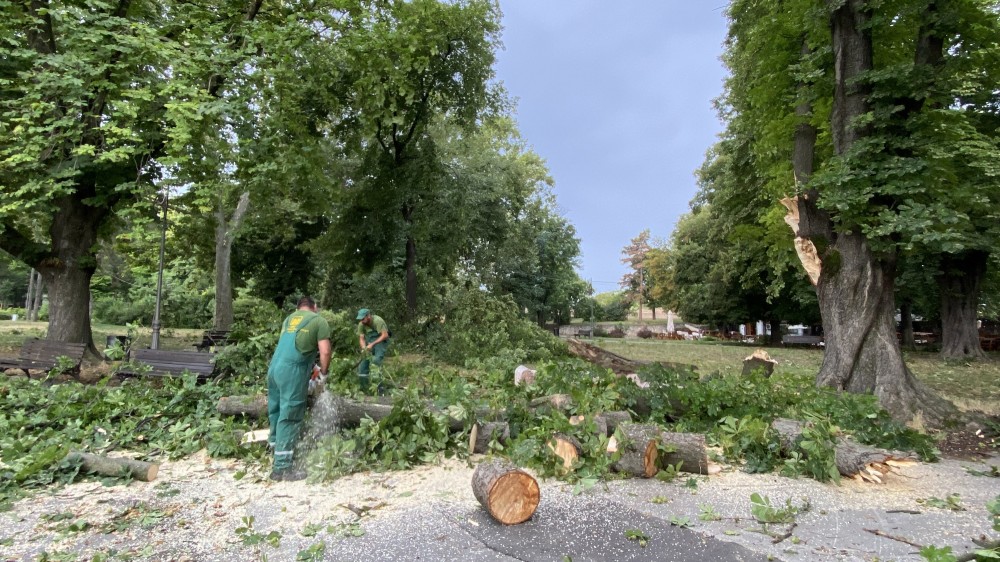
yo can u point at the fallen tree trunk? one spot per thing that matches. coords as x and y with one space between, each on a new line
252 406
638 450
481 435
690 451
108 466
510 495
855 460
545 404
620 365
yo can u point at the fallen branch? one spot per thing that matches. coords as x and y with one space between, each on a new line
909 511
620 365
893 537
786 535
116 467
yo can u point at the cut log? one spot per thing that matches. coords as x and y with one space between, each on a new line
861 462
620 365
251 406
613 419
600 423
523 375
638 450
108 466
545 404
483 433
691 451
350 413
510 495
567 448
761 361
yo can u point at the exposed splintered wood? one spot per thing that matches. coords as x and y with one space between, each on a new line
613 419
251 406
759 361
565 447
510 495
482 433
547 403
691 451
523 376
600 423
861 462
638 450
620 365
108 466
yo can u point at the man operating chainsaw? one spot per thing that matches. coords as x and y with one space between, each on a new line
304 335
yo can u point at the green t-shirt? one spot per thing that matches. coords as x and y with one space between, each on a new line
378 325
308 338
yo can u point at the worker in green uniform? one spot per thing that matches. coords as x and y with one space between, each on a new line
373 334
304 334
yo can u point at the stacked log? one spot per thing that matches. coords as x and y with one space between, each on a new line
567 448
690 449
861 462
600 423
510 495
546 404
614 419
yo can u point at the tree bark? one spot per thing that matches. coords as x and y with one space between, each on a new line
775 339
638 450
854 286
225 232
411 277
510 495
483 433
614 419
252 406
691 452
906 324
960 278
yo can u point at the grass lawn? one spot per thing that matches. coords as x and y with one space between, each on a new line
971 385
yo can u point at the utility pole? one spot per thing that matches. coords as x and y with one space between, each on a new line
155 343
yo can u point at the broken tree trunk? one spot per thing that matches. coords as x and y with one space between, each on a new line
620 365
107 466
510 495
638 450
759 360
855 460
252 406
691 451
482 433
565 447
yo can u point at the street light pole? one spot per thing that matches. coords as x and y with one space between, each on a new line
155 343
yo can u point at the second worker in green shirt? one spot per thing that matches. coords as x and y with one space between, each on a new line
373 335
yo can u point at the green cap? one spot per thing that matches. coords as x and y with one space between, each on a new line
362 313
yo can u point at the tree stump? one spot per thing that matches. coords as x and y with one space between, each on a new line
567 448
638 450
510 495
759 360
482 433
861 462
251 406
691 451
107 466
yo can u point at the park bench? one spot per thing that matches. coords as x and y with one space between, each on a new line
171 363
43 355
214 338
802 340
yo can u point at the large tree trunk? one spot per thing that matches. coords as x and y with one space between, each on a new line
775 338
29 298
68 270
959 281
906 326
411 277
854 285
225 232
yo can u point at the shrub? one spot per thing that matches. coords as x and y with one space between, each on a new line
645 333
616 332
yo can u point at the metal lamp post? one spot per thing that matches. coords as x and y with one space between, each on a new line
155 343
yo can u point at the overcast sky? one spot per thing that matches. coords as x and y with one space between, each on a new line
617 96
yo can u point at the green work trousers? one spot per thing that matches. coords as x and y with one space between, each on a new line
378 354
287 391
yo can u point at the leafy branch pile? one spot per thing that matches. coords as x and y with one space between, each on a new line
40 423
